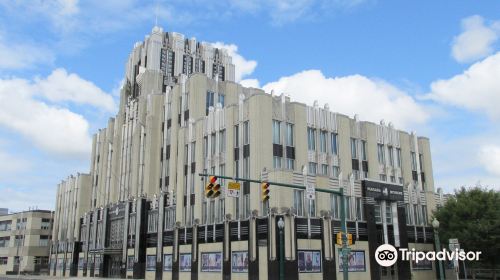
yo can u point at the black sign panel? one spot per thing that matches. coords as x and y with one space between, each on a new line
382 191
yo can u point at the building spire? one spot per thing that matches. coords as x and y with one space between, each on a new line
156 14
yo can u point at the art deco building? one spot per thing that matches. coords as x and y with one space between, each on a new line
24 242
142 212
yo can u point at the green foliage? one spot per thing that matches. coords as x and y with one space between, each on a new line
473 216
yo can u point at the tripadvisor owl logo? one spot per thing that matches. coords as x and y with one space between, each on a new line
386 255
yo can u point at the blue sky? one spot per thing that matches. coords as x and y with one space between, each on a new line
431 66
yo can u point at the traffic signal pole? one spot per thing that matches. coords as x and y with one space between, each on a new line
345 258
340 193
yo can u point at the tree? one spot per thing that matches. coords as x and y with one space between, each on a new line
473 216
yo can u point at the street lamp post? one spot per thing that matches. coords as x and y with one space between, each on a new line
281 225
435 225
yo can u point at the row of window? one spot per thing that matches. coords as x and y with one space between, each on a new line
323 137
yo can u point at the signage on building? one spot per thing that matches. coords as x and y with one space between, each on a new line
233 189
382 191
310 192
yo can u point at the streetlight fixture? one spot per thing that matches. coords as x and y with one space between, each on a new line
281 226
435 225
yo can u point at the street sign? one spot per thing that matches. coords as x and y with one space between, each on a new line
310 192
453 244
233 189
453 240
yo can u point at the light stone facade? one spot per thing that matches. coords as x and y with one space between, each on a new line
25 242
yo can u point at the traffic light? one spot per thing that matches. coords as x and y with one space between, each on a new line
264 189
339 238
212 189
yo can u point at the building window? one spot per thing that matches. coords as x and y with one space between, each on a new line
5 225
421 161
393 179
236 136
359 208
44 241
322 141
209 100
378 212
335 205
391 155
4 260
363 150
276 132
416 212
354 152
324 169
204 212
335 171
276 162
222 172
424 215
21 224
289 134
205 147
298 202
222 141
153 222
401 181
211 211
222 98
45 223
221 212
408 215
334 143
312 168
380 153
355 174
19 241
4 241
383 177
311 139
398 157
312 207
413 161
246 133
290 164
347 205
388 213
212 144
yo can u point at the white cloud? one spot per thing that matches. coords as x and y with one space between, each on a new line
476 40
15 55
253 83
489 156
10 164
50 128
476 89
60 86
243 67
21 199
351 95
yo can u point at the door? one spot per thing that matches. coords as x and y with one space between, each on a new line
114 268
